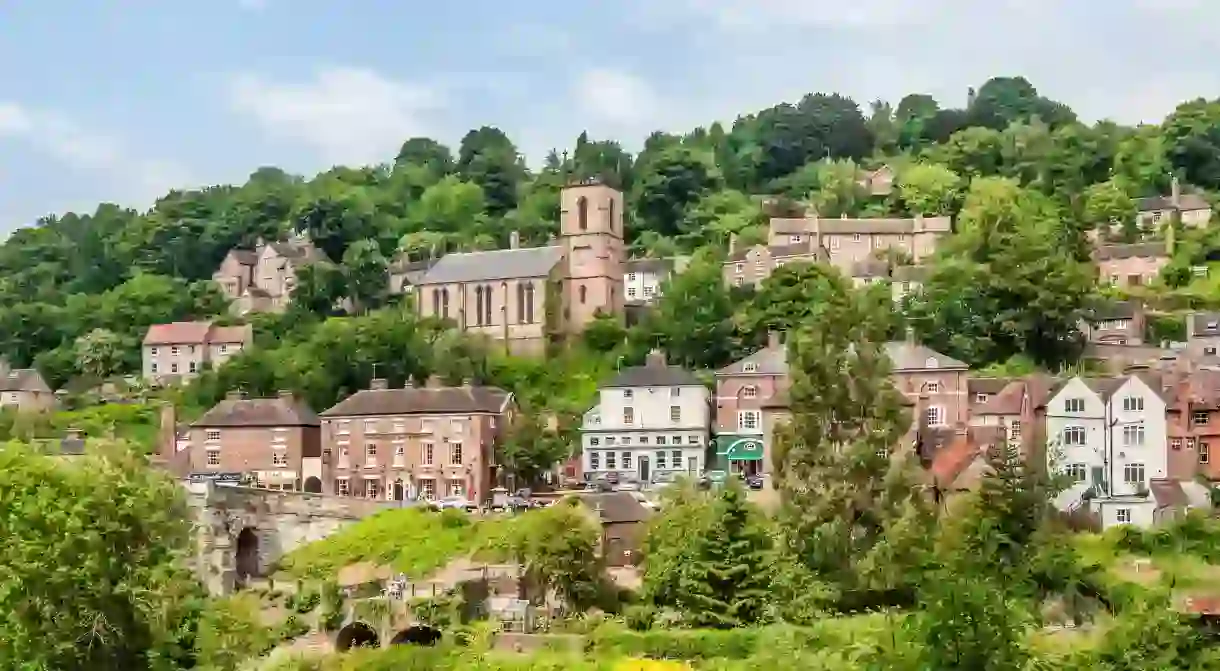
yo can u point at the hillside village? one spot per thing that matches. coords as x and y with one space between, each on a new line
457 404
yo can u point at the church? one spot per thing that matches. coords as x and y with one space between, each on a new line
523 296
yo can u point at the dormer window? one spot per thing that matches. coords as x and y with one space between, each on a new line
749 367
931 363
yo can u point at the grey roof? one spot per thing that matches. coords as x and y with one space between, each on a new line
777 251
500 264
283 411
23 379
1187 202
300 251
908 356
659 266
911 273
421 401
71 445
1141 250
654 375
403 264
838 226
1205 324
768 361
987 385
1105 310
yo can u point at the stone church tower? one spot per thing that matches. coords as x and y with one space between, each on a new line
591 233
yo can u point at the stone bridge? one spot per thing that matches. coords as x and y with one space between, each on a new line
241 532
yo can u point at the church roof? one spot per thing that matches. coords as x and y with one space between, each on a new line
501 264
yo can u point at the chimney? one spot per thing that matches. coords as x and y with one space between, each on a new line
1175 192
514 240
435 382
379 384
774 339
732 242
911 336
73 434
656 359
235 395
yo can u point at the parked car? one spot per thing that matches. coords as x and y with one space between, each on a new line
456 503
754 482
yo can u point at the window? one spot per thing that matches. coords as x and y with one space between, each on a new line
630 277
1209 351
855 237
343 454
834 242
192 367
455 454
173 367
1133 404
932 387
931 362
370 452
1175 443
980 398
737 281
427 489
213 435
213 457
611 464
342 486
1156 216
739 268
1076 472
279 458
749 367
595 441
1015 429
1123 515
660 440
152 351
1073 405
675 413
610 440
675 392
1073 435
693 440
224 349
584 294
676 440
749 391
643 440
649 291
1199 417
372 489
399 453
631 292
582 213
660 457
676 457
173 350
628 415
456 488
1133 435
935 416
1133 474
153 368
626 460
1204 452
427 454
628 394
749 420
595 461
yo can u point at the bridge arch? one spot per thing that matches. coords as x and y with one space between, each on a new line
357 635
246 555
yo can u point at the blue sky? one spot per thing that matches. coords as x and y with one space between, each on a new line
120 100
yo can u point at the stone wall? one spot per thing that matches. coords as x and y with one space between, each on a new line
277 521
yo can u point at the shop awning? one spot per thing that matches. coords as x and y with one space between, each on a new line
739 448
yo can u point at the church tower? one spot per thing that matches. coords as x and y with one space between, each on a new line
591 233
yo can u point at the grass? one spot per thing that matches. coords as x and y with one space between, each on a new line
413 541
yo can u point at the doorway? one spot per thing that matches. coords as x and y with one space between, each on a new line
643 464
398 490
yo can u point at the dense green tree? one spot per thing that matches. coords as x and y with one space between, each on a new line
693 319
364 270
929 189
489 159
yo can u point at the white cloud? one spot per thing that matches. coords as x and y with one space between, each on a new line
615 97
132 179
348 115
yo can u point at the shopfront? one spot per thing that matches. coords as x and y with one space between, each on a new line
740 454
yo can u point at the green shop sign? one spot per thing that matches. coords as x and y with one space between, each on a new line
739 448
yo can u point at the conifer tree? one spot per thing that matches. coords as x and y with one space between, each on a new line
730 584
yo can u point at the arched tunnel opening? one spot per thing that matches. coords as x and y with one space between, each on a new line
357 635
417 635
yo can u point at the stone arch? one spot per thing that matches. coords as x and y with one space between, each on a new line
246 555
313 484
357 635
420 634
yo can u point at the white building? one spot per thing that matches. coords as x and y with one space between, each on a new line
642 278
650 419
1108 435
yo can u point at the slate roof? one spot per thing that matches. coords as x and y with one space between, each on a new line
798 249
987 385
500 264
950 462
1186 202
421 401
655 266
616 507
839 226
23 379
1105 310
298 251
1142 250
1168 494
767 361
654 375
908 356
257 412
403 264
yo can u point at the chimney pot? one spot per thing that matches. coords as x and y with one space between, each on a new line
774 339
732 242
379 384
911 335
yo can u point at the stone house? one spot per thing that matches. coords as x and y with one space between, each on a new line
262 279
751 265
938 385
850 241
623 521
1191 209
879 182
24 389
642 278
1203 335
416 442
180 350
1131 265
1108 436
868 272
649 420
276 442
506 294
1115 323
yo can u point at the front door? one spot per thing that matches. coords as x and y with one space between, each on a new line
398 490
642 463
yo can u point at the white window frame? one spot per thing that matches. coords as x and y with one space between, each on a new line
1133 404
749 420
1070 432
1122 515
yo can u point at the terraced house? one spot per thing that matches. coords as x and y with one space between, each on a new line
415 442
179 350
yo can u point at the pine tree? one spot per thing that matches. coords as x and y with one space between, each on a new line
730 586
